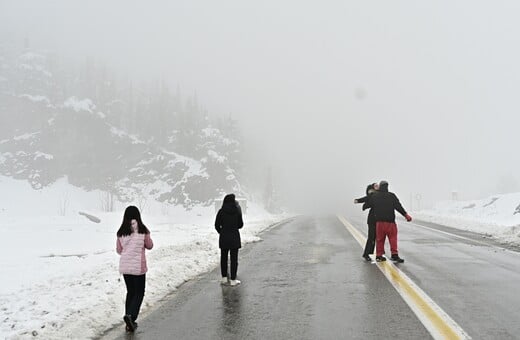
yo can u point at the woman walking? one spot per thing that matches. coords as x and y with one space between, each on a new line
132 239
371 221
227 223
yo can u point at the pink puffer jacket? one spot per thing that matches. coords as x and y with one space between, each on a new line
131 248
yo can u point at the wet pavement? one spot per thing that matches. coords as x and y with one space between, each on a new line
472 278
306 280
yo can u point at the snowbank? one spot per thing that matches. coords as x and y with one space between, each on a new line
60 271
497 216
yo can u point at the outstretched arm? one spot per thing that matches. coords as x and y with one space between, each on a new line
400 209
361 200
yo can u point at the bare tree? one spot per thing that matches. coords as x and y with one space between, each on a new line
63 204
142 201
107 201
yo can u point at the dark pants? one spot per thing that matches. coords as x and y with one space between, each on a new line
134 294
371 239
224 262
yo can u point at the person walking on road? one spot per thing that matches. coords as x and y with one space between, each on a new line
133 237
371 221
227 223
384 204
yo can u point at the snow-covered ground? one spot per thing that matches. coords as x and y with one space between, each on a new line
59 271
497 216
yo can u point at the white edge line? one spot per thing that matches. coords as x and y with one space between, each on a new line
465 238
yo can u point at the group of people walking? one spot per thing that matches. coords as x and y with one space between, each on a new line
382 205
133 238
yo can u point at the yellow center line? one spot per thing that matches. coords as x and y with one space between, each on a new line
437 322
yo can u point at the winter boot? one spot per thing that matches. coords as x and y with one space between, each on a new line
380 258
234 282
130 324
396 258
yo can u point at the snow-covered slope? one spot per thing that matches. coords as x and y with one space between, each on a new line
60 271
129 142
497 216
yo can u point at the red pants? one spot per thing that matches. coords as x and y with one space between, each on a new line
384 229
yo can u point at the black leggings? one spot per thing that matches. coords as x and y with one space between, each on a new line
134 294
371 240
224 262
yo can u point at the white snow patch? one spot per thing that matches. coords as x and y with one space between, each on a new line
120 133
497 216
39 154
36 98
79 105
31 56
26 136
220 159
36 68
194 167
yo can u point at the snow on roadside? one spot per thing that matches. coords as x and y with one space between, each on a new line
497 216
60 273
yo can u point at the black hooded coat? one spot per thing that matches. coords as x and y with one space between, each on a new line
371 218
228 222
383 203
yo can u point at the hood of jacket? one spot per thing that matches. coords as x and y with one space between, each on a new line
230 208
383 186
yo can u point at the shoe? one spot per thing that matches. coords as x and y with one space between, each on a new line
380 258
224 281
367 258
396 258
234 282
130 325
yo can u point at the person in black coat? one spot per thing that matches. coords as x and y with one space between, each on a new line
384 204
371 221
227 223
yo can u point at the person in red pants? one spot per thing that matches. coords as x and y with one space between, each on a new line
384 204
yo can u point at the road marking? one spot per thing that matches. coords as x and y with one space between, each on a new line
465 238
437 322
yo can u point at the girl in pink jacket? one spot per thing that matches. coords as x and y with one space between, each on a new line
132 239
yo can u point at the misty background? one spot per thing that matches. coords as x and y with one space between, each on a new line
327 96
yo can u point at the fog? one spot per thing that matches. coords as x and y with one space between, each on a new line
330 95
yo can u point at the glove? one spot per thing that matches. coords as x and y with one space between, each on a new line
408 218
355 201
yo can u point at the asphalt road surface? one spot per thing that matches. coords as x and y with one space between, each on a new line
307 280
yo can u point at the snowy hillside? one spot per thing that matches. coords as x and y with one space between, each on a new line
110 136
60 270
497 216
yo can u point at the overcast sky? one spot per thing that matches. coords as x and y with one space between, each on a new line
331 94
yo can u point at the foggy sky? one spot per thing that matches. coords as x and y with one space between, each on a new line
331 94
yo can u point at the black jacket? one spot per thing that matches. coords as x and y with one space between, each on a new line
383 204
371 218
227 223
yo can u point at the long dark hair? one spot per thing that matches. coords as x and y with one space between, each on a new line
131 213
371 188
